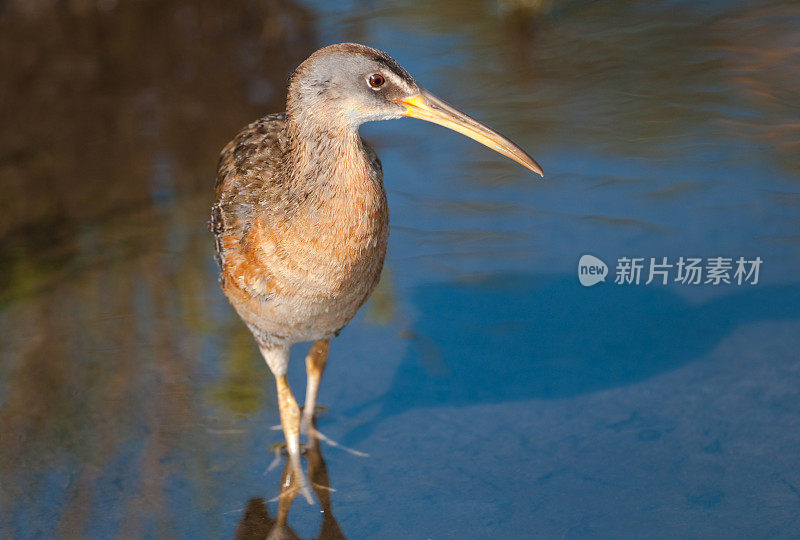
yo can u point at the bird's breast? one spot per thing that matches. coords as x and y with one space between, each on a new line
341 236
330 250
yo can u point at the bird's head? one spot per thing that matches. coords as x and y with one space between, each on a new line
348 84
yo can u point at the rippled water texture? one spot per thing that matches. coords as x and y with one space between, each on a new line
496 396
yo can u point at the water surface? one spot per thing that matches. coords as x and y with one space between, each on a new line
496 396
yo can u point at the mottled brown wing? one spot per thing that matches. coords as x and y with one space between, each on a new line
247 174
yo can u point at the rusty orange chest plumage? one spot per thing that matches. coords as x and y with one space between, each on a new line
299 253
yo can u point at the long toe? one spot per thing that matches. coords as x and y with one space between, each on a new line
310 415
314 432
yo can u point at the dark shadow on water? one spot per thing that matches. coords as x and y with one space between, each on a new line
518 337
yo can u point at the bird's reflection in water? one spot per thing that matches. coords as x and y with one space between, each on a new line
256 521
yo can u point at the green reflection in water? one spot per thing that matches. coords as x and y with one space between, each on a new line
244 384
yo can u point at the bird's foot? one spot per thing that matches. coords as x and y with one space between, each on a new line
310 415
307 427
293 483
319 411
280 450
291 492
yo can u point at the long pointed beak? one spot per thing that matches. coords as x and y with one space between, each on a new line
426 106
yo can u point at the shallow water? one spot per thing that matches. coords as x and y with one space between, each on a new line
496 396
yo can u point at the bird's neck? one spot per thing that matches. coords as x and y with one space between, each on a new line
340 203
322 148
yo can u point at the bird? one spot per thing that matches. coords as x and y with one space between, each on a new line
301 219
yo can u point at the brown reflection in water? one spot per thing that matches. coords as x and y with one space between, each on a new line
112 123
106 112
763 71
256 522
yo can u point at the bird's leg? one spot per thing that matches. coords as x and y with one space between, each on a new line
290 420
278 360
286 498
315 366
285 501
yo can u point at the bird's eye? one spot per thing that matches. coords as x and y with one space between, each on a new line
376 80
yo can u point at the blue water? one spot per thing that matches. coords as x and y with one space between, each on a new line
496 395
